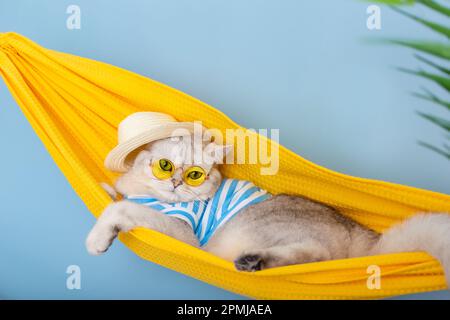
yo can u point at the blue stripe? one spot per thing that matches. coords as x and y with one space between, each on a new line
142 200
201 209
217 213
246 195
255 201
205 240
229 197
158 207
224 210
213 210
184 214
259 199
196 206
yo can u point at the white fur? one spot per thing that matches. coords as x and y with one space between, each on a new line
422 232
140 178
296 242
109 190
125 215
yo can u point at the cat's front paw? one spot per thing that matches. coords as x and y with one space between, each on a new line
249 262
99 241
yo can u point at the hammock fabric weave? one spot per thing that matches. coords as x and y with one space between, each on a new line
75 105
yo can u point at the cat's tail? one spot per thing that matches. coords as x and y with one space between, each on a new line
422 232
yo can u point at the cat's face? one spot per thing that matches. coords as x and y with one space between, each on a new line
177 156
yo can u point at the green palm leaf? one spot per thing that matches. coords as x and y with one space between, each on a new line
436 7
432 25
432 98
433 64
441 122
440 50
444 82
436 149
395 2
437 49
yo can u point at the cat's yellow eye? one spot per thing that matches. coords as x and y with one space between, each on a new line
163 169
194 176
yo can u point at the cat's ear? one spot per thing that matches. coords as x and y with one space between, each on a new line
217 152
144 157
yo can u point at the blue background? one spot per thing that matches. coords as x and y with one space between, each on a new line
301 66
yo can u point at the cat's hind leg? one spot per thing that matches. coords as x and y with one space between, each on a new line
123 216
282 255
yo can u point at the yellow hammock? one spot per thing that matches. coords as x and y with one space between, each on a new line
75 104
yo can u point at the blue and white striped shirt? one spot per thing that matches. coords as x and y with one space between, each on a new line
205 217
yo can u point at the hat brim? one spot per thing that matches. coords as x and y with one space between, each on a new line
116 160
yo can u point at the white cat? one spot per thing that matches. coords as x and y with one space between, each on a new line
267 231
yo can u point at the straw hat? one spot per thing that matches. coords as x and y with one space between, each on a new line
141 128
